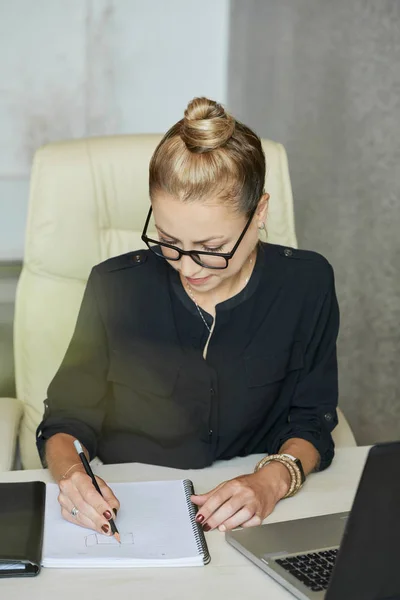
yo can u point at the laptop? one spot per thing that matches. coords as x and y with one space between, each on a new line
343 556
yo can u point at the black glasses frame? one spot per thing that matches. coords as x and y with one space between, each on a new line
194 254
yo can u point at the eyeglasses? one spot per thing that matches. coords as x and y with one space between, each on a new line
209 260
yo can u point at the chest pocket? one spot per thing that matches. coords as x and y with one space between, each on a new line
150 370
273 367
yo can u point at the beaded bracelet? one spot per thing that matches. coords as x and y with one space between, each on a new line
295 474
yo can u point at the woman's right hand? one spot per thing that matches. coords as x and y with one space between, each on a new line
94 511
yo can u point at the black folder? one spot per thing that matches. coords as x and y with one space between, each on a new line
21 528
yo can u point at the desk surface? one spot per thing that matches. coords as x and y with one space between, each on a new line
229 575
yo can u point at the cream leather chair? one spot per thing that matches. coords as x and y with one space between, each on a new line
88 201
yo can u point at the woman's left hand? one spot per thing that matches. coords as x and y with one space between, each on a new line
244 501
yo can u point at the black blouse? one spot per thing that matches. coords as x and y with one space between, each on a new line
134 386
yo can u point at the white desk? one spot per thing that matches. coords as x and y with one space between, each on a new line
229 575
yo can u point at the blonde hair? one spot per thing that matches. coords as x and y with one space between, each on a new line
209 153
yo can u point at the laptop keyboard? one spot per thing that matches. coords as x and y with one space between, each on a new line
314 569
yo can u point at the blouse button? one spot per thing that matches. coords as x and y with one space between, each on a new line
138 259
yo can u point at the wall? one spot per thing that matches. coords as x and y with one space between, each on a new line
94 67
323 77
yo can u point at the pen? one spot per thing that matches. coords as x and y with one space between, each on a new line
79 449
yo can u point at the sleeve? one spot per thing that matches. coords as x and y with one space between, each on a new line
312 414
76 397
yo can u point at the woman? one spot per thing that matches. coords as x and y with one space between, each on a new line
206 346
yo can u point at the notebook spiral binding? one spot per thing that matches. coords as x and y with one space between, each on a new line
197 529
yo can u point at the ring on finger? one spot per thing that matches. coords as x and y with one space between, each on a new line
74 511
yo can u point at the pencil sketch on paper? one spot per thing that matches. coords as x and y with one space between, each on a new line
95 539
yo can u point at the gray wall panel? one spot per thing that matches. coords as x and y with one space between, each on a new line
323 78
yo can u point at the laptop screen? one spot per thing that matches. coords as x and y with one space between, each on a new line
368 562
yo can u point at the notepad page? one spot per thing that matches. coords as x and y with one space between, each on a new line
153 521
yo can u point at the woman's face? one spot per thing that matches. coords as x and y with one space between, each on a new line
209 226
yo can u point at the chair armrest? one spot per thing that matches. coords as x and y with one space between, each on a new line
342 434
10 416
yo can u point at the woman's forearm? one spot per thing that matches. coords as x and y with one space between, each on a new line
61 455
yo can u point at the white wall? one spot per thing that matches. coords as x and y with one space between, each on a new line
93 67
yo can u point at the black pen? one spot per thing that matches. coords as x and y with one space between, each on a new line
89 471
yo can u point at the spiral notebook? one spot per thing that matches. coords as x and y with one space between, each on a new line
156 523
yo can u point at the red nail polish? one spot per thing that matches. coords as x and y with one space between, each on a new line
107 515
105 528
206 527
199 518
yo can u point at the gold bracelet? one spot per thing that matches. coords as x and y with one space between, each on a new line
295 474
293 470
297 483
287 461
295 477
68 470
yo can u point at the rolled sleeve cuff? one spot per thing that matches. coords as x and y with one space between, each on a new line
81 431
318 436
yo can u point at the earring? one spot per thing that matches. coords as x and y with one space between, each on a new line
261 226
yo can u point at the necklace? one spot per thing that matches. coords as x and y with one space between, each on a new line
190 292
189 289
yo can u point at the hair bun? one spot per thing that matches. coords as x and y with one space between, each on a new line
206 125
